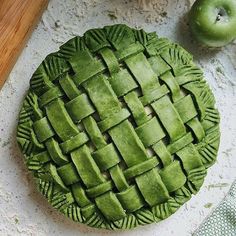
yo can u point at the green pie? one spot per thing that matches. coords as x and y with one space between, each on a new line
118 128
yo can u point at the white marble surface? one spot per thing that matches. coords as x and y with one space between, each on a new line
23 211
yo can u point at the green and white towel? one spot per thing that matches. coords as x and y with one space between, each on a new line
222 221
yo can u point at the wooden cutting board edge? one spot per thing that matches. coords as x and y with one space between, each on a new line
18 18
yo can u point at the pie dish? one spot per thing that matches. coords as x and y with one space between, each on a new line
119 128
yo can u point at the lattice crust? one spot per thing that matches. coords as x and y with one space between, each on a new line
118 128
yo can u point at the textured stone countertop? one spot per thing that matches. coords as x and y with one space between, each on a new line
23 211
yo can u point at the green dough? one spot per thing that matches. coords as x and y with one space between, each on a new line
118 128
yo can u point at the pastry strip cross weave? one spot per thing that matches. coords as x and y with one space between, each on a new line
118 128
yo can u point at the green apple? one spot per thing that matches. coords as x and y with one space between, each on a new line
213 22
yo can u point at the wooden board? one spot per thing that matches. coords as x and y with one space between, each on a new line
17 20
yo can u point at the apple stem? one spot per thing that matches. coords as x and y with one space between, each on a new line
218 18
221 14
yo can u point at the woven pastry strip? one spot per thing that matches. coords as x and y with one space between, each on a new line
119 128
